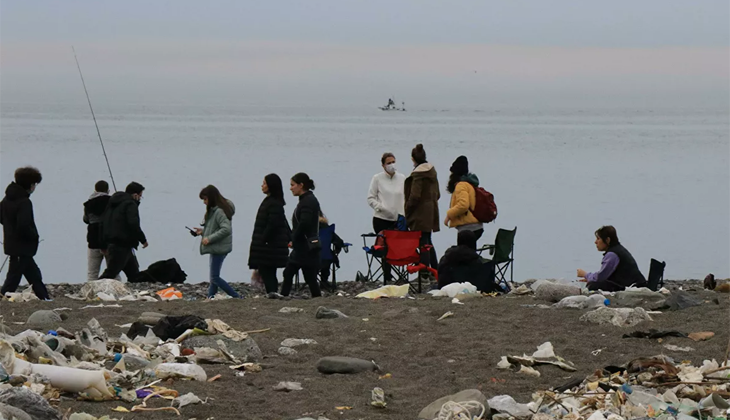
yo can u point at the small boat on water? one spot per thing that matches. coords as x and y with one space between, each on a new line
392 107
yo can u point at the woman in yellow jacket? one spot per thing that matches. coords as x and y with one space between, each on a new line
462 186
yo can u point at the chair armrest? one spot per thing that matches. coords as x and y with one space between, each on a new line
369 235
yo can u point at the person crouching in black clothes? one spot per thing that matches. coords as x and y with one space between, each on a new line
122 232
461 264
20 235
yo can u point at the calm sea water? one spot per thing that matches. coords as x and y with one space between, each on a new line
661 176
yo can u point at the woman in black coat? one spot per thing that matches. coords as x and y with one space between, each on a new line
271 234
305 244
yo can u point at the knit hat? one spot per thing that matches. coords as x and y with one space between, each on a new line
460 166
467 238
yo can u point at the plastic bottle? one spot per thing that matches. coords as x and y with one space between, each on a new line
596 301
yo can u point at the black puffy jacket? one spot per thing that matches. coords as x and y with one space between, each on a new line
305 225
271 236
20 235
120 222
93 211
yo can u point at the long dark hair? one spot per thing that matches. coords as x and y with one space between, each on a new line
453 180
305 180
215 199
273 182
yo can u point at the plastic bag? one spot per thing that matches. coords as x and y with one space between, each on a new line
180 370
454 289
385 291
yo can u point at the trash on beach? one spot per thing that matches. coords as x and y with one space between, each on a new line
521 290
457 301
467 404
169 294
25 296
545 355
701 336
654 334
454 289
109 288
216 326
582 302
446 315
180 370
620 317
672 347
288 386
385 291
290 310
187 399
378 398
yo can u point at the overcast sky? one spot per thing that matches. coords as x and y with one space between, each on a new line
258 51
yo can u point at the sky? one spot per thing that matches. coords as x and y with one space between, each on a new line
320 51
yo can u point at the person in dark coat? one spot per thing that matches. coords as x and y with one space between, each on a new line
271 234
20 234
618 267
122 232
461 264
422 194
93 210
305 255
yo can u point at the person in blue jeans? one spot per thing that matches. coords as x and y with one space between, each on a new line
217 233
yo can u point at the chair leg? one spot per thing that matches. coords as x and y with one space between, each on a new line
334 278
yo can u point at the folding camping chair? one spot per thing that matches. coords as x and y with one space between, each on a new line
656 274
329 255
402 251
503 256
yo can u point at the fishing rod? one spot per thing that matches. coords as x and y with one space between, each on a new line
94 117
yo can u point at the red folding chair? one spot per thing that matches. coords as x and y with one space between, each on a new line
404 255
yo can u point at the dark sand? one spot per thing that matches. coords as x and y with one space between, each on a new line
427 358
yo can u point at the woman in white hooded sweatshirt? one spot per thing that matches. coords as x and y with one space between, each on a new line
387 199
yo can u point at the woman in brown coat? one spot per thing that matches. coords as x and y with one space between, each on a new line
422 196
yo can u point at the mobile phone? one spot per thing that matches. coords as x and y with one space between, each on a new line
192 232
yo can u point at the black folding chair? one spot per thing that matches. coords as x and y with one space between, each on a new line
503 256
373 256
656 274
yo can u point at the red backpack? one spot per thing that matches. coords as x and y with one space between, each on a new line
485 209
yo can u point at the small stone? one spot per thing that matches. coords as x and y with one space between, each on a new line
288 386
324 313
337 364
295 342
31 403
8 412
287 351
290 310
44 319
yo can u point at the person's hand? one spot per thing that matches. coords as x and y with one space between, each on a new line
289 245
145 245
581 273
206 241
198 231
446 221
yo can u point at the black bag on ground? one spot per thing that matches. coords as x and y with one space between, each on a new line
174 326
164 271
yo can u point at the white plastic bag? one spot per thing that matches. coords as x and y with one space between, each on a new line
180 370
454 289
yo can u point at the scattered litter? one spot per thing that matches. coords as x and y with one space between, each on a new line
215 378
701 336
526 370
654 334
180 370
385 291
290 310
545 355
288 386
446 315
620 317
582 302
522 290
378 398
453 289
169 294
672 347
508 405
101 305
457 301
468 404
187 399
386 376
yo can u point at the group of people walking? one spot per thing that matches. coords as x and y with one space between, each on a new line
114 230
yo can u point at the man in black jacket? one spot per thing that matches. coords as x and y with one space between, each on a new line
122 232
94 208
20 235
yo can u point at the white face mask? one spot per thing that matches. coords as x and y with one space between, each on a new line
390 168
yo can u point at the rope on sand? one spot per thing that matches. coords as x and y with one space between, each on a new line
465 410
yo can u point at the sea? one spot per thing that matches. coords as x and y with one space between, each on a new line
660 175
